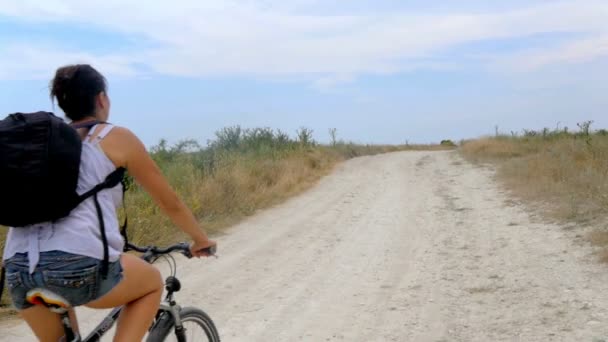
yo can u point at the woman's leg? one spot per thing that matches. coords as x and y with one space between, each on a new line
140 290
46 325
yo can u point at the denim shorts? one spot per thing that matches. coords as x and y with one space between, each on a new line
76 278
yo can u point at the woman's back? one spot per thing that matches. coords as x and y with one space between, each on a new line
79 232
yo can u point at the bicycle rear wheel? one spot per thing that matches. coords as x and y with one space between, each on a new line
198 327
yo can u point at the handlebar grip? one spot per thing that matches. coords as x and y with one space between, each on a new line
210 250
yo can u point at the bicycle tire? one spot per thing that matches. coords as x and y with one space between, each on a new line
164 327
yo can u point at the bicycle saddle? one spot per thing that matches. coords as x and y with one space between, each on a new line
53 301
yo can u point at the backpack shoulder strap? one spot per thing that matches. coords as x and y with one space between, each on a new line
114 178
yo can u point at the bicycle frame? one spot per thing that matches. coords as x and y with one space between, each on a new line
109 321
169 306
104 326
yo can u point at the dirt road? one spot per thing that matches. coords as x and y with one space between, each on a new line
411 246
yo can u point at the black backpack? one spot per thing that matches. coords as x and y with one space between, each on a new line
39 166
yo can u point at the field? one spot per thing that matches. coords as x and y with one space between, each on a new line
560 173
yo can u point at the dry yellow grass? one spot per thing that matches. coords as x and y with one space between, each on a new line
564 175
238 188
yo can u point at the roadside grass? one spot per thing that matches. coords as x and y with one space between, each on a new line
564 174
239 172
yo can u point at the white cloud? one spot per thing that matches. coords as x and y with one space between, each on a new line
579 51
22 61
199 38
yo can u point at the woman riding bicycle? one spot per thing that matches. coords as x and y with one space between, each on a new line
67 255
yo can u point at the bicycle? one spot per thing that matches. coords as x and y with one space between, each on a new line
170 316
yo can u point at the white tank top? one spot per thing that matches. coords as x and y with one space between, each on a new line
78 233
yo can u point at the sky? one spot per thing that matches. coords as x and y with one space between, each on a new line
379 71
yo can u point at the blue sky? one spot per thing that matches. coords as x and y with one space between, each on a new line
382 71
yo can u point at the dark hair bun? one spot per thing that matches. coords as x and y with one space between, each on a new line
75 88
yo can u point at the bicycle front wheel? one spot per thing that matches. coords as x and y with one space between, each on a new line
197 327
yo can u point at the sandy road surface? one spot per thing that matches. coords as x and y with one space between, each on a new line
412 246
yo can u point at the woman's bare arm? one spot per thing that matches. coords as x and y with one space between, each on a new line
131 153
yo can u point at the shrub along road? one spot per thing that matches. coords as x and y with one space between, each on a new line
407 246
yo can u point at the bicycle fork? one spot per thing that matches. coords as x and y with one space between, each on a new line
170 306
175 309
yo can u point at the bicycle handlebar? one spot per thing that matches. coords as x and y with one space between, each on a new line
182 247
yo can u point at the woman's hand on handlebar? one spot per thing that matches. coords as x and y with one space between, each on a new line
203 248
